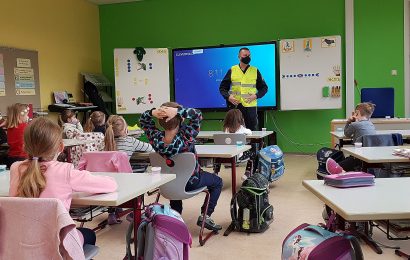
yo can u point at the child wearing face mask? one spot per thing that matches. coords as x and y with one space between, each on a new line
71 125
17 118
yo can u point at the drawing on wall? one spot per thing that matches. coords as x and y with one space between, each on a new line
141 74
307 44
328 42
288 46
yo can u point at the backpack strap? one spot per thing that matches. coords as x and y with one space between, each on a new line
354 242
234 211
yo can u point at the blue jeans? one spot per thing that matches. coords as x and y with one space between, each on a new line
214 184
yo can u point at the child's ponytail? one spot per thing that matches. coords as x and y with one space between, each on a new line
109 141
32 180
89 126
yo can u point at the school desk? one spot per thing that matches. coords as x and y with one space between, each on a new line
386 200
342 139
379 123
256 136
131 189
374 155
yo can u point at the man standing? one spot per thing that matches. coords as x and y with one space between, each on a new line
242 86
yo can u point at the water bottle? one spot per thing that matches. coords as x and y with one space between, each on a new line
246 217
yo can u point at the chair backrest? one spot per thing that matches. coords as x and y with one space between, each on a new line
183 165
229 138
377 140
105 161
34 226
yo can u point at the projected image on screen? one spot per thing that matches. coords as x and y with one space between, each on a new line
198 73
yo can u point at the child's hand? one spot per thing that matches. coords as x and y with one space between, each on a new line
352 118
159 113
170 112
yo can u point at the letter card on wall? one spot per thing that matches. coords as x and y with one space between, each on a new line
311 73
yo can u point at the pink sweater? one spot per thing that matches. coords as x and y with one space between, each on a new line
62 180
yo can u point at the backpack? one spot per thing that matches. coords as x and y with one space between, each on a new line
271 163
312 242
162 234
322 155
250 208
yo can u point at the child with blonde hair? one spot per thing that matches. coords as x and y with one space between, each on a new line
17 118
116 138
71 125
41 176
357 125
96 123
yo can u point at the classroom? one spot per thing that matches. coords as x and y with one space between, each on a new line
72 38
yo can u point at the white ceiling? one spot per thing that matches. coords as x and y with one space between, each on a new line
103 2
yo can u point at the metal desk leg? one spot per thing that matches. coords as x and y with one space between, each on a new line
233 171
137 207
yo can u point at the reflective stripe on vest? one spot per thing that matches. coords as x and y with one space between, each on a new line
244 84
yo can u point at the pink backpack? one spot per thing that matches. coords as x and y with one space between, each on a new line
163 235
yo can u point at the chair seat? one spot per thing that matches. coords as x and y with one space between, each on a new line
90 251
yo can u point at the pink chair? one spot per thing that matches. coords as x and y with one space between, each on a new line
39 228
105 161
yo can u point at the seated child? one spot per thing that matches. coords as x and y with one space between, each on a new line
41 176
17 118
96 122
116 138
357 125
71 125
179 137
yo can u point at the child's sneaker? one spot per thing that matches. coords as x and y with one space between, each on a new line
112 219
209 223
332 167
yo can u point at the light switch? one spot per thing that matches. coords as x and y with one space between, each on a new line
394 72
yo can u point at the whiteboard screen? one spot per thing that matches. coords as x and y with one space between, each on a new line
310 73
141 85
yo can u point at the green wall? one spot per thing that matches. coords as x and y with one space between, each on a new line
187 23
379 47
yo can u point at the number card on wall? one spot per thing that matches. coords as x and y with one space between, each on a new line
311 73
141 79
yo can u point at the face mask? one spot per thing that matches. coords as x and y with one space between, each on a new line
246 59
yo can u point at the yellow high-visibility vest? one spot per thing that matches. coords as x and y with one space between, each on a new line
244 84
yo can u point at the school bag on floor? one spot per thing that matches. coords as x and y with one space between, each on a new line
322 155
311 242
271 163
162 235
250 208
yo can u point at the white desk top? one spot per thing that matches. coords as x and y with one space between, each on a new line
380 154
404 133
209 151
254 135
387 199
220 151
130 186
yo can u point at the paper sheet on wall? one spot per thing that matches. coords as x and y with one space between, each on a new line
2 78
141 84
24 78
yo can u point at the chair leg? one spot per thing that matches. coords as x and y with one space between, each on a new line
157 198
201 232
402 254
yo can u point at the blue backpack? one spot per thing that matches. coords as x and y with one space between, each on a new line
271 163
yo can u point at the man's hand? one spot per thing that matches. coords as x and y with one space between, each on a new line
170 112
159 113
251 98
233 100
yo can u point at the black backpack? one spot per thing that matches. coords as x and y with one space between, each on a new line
250 208
322 155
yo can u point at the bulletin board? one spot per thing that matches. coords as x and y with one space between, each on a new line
141 81
19 78
311 73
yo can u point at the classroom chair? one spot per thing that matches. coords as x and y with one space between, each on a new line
39 228
183 166
381 140
93 142
105 161
102 161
